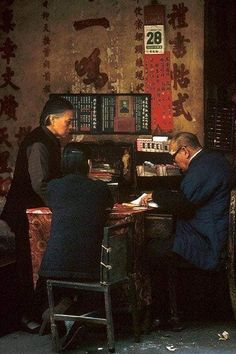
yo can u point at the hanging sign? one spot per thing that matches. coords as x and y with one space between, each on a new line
154 39
157 74
158 83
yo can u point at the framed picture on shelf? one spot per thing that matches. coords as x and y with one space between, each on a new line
124 120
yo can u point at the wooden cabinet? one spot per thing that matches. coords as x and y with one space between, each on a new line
158 225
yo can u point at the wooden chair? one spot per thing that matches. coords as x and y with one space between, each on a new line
227 264
115 268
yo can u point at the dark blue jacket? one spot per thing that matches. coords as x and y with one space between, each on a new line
203 210
78 207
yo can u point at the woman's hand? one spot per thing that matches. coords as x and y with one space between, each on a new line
146 199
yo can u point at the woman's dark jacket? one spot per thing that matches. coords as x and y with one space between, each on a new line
78 207
22 196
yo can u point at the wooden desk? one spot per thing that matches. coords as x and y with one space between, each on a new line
39 231
158 225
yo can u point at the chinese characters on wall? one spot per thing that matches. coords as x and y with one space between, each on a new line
180 74
89 67
8 85
158 83
138 47
8 90
162 74
46 40
157 77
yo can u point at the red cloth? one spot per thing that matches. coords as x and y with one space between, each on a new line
39 231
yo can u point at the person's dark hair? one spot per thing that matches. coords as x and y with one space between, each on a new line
75 158
55 105
186 139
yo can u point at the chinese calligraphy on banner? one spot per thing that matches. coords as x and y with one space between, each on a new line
158 83
157 76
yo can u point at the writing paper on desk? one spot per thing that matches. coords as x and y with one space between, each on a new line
152 204
137 201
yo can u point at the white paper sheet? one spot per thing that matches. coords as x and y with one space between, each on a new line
137 201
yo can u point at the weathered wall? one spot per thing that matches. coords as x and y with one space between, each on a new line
48 45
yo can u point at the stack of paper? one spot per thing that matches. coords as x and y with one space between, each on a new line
137 201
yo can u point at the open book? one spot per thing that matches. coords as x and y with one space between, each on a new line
137 202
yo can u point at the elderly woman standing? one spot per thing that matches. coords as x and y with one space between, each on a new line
38 161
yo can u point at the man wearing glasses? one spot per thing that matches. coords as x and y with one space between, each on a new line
201 208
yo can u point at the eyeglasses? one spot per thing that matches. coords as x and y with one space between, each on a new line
174 153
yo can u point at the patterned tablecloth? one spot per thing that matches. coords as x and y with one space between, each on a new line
39 231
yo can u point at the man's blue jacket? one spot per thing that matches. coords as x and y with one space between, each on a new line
202 209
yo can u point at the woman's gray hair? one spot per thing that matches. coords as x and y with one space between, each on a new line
55 105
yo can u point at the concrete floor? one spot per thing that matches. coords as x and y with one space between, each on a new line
199 337
207 307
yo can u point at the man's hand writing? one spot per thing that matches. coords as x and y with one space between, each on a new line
146 199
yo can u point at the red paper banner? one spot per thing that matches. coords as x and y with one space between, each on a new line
154 14
157 82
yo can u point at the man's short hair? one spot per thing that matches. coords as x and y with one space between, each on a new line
186 139
75 158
